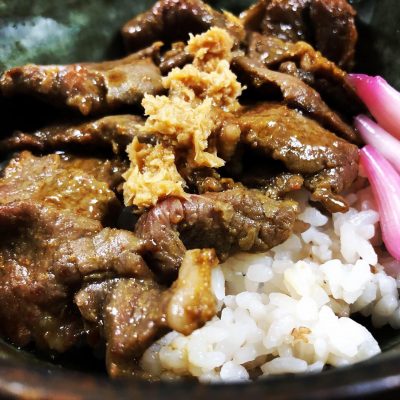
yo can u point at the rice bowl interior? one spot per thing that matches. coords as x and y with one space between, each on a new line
301 306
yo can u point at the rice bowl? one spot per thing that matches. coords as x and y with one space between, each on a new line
304 306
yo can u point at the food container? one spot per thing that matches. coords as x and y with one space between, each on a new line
67 31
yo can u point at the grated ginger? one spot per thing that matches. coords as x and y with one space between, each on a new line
192 84
185 119
152 174
186 124
209 48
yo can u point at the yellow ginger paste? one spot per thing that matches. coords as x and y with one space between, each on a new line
184 119
152 174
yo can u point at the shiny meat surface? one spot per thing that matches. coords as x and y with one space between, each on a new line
176 57
304 62
135 312
295 93
284 19
327 24
108 171
90 300
109 133
87 88
133 319
335 30
109 252
173 20
230 221
276 186
48 180
203 180
54 245
51 237
329 164
36 289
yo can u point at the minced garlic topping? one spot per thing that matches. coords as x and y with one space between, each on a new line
184 119
152 174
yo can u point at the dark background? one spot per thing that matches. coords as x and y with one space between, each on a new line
60 31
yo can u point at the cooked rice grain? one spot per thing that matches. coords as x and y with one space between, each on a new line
287 310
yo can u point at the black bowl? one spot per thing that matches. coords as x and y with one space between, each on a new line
72 30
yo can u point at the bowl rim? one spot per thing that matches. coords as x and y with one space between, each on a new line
377 375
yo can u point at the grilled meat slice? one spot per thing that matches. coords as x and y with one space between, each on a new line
45 253
35 291
88 88
328 164
230 221
302 61
108 171
175 57
173 20
329 25
112 251
136 312
51 236
334 30
50 181
294 92
284 19
109 133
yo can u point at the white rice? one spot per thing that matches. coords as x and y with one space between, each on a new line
287 310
